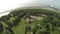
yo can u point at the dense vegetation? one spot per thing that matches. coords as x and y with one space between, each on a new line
15 22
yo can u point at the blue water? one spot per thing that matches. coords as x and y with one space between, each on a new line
55 3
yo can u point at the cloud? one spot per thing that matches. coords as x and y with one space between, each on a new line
12 4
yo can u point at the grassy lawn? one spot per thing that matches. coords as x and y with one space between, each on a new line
20 29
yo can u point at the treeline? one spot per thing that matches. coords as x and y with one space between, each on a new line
51 23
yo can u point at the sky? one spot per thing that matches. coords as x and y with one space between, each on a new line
6 5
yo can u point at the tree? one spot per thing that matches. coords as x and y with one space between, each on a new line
1 27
